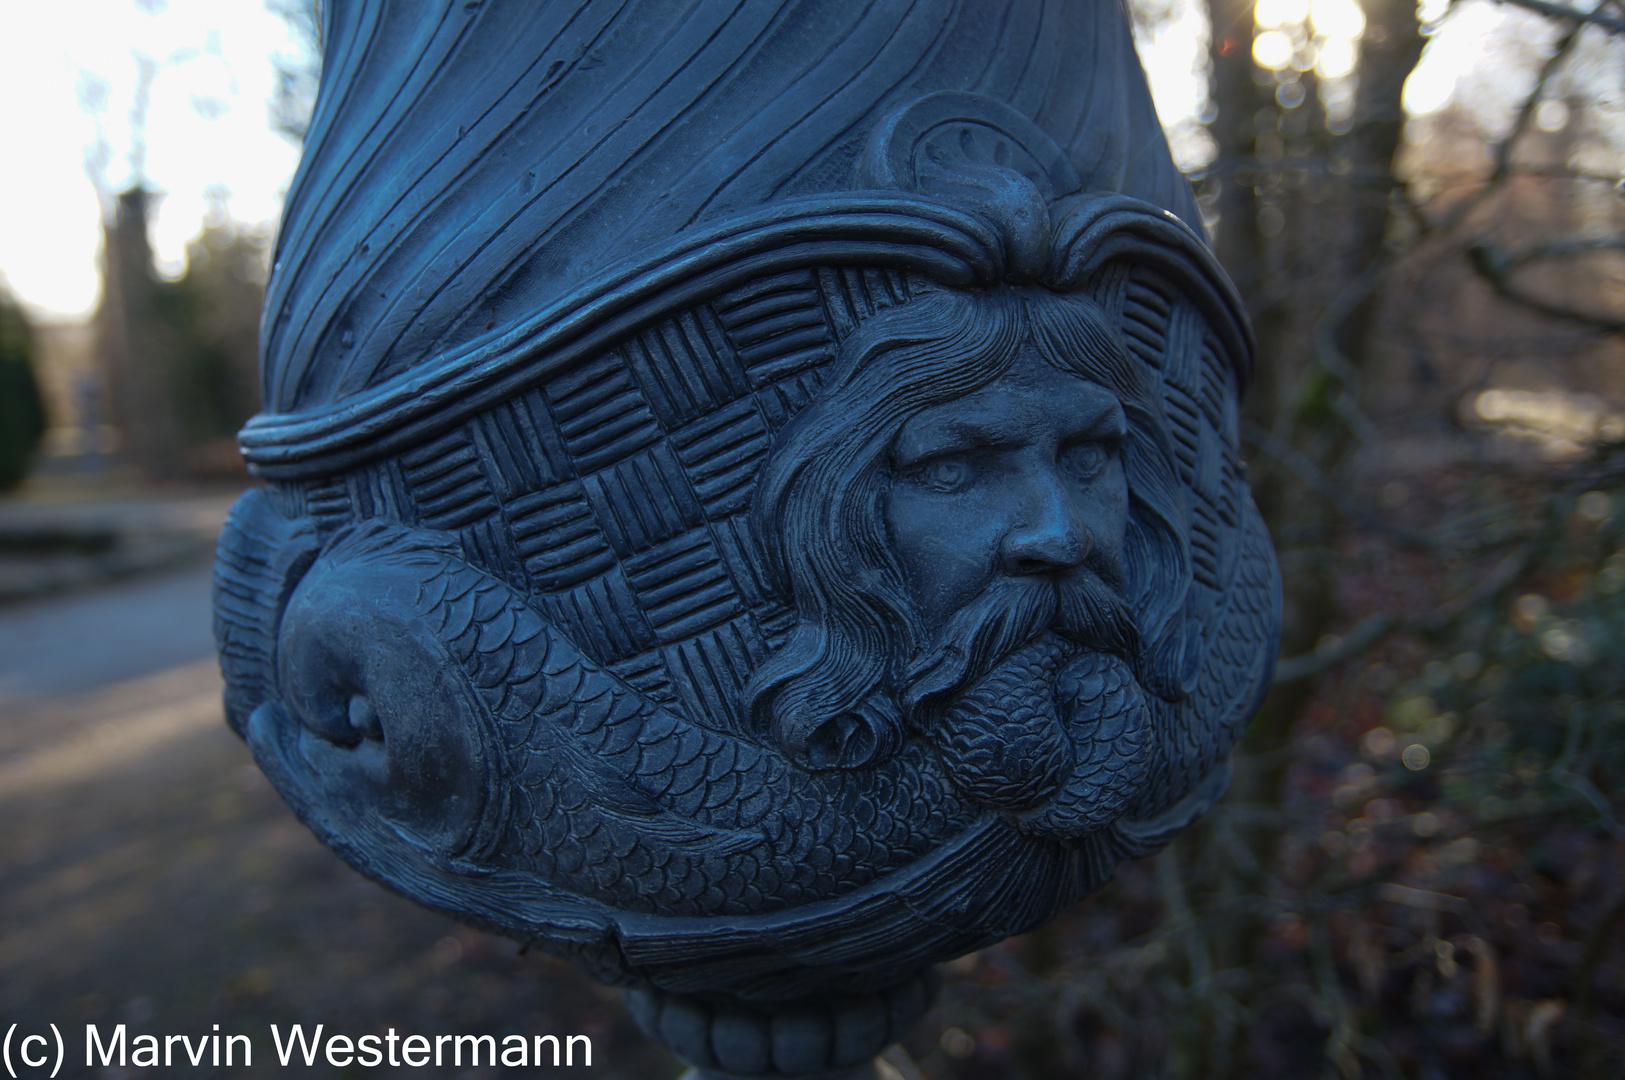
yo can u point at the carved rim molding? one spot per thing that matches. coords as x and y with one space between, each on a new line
953 247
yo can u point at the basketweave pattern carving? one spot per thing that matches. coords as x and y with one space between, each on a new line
618 493
1231 560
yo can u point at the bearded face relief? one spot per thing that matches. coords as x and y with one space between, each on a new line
756 576
1008 509
1001 561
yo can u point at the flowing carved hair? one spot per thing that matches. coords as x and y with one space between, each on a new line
828 696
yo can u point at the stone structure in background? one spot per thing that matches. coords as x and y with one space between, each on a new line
132 350
752 500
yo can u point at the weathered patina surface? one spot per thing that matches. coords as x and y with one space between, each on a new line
752 498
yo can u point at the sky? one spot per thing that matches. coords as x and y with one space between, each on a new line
209 136
208 130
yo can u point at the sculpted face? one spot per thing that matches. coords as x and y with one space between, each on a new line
1008 511
955 517
1020 479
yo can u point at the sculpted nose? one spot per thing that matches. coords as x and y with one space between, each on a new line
1049 534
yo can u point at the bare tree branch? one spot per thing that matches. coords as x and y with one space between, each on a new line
1372 629
1561 249
1365 634
1496 267
1489 588
1564 11
1503 150
1310 474
1538 172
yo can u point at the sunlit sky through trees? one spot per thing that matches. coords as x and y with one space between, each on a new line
69 67
69 75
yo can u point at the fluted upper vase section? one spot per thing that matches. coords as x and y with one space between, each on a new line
472 164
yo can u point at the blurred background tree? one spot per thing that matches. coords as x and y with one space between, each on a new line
182 356
211 316
1419 870
298 74
179 356
22 411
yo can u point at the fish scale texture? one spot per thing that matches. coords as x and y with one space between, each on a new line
1002 741
624 801
1105 712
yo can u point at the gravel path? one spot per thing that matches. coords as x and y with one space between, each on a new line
49 648
149 876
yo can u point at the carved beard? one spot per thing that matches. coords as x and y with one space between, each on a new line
1034 710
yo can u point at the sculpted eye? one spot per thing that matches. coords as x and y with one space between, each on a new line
942 474
1086 461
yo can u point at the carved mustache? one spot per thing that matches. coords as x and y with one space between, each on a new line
1006 615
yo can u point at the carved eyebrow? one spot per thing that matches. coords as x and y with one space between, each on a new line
947 437
1109 423
950 435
